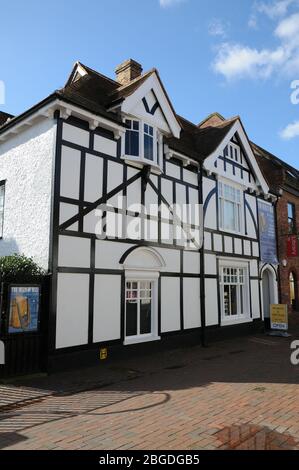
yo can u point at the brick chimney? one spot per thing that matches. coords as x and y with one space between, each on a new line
128 71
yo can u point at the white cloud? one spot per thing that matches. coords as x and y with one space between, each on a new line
218 27
290 131
274 9
169 3
238 61
241 61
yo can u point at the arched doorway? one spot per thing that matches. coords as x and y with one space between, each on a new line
142 267
269 293
293 290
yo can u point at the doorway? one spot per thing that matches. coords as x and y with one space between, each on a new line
268 287
293 290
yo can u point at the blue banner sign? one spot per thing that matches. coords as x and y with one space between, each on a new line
24 309
268 245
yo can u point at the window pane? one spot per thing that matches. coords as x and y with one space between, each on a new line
136 125
145 317
148 147
226 299
291 211
132 143
131 318
233 299
229 215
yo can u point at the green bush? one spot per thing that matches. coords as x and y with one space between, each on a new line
19 268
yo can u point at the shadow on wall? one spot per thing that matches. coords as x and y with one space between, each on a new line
8 247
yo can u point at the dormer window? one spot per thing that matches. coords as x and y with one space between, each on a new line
142 142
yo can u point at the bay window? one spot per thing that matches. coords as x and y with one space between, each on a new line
230 208
142 142
234 292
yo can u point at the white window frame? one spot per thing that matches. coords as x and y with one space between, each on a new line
240 317
157 161
240 205
144 276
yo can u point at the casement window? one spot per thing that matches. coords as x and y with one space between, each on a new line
140 311
148 142
141 142
234 293
2 195
230 208
291 218
132 138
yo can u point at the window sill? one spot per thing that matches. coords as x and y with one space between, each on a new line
235 321
141 162
140 339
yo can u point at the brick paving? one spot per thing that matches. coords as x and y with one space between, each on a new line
237 394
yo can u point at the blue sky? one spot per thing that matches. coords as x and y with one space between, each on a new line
230 56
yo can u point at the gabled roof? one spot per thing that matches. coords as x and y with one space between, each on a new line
200 142
277 172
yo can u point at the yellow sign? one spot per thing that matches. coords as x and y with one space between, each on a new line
279 317
103 353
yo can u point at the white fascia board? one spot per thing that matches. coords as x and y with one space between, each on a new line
152 83
170 153
237 128
67 110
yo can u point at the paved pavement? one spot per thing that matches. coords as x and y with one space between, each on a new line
236 394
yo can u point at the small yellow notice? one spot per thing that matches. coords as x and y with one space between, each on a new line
279 317
103 353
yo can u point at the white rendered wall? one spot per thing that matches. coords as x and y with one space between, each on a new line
26 164
107 298
170 304
72 310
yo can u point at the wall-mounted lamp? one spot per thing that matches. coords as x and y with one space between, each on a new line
284 263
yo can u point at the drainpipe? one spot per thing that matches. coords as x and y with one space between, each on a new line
202 265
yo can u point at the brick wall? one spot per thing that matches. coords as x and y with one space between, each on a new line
292 263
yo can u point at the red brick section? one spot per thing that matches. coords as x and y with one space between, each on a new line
293 262
240 394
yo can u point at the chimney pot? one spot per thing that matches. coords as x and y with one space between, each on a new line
128 71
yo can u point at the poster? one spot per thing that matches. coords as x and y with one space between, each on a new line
279 317
267 233
292 246
24 305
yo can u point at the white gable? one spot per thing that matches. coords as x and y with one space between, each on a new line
149 102
149 110
237 129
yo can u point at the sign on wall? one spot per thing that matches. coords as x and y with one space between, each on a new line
292 246
267 227
24 308
279 317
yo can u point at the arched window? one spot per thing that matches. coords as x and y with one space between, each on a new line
142 270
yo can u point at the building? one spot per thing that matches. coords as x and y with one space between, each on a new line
284 181
149 224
